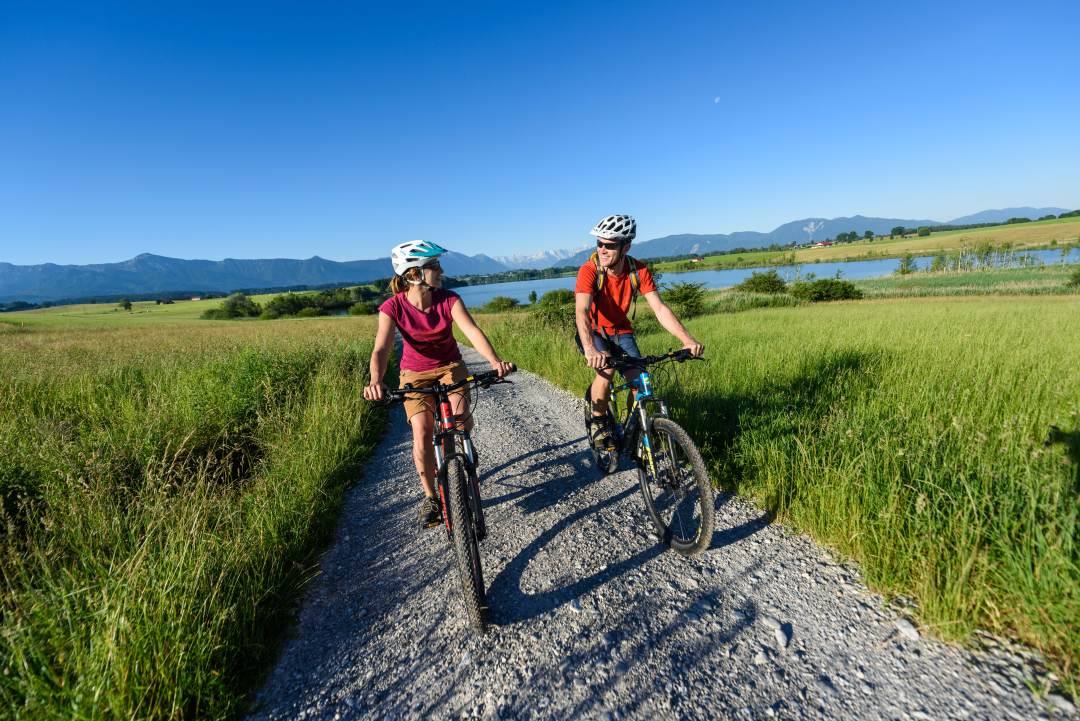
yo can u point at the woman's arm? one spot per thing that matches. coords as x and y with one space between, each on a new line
384 337
671 324
479 341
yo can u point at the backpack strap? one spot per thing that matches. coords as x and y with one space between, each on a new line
635 285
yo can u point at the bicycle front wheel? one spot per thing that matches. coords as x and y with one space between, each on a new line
463 535
677 491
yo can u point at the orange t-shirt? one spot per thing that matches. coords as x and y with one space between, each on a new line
612 302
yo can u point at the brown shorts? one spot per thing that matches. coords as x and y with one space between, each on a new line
450 373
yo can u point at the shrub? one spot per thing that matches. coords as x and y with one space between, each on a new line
1074 279
826 289
239 305
767 282
907 265
556 308
923 231
216 314
500 304
364 307
125 304
686 299
310 312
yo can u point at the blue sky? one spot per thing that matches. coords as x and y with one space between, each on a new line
340 129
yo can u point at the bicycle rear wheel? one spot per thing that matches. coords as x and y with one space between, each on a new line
677 491
463 535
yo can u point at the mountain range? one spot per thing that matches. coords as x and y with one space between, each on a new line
148 274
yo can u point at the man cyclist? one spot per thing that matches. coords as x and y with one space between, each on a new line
607 285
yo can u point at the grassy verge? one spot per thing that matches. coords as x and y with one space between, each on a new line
1044 280
163 495
917 436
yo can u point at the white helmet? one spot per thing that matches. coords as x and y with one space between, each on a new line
413 254
616 227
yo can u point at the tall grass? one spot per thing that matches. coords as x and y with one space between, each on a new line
916 436
163 494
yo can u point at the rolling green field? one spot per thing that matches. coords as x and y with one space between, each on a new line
936 441
165 488
166 482
1038 234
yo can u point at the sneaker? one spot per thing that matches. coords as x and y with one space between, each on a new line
430 512
600 434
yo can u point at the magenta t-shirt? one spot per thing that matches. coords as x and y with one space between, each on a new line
428 336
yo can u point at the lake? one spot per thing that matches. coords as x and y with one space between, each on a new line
477 295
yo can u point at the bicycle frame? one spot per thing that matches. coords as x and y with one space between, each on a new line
442 438
641 405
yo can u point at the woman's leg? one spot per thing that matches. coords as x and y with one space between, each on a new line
423 452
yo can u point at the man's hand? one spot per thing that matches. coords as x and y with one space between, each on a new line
375 391
595 359
503 368
695 348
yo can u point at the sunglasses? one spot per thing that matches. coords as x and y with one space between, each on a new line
608 246
433 265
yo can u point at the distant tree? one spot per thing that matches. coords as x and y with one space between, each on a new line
826 289
868 235
897 230
923 231
532 297
1048 217
125 304
1070 214
939 263
501 304
686 299
239 305
767 282
907 265
1012 221
363 307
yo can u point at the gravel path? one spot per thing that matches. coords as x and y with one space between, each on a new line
591 618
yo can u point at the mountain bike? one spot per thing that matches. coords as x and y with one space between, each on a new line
674 484
459 487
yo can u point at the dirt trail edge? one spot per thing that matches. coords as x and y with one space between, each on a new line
591 618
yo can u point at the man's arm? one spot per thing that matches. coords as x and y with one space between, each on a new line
582 303
671 324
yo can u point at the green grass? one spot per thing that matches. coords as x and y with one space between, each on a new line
913 435
164 492
1050 279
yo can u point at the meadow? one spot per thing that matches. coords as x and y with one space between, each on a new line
165 489
934 440
167 482
1019 236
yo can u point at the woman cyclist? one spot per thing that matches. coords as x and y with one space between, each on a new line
607 284
424 313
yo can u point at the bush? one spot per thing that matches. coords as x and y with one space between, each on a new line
237 305
907 265
216 314
923 231
686 299
556 308
826 289
1074 279
500 304
767 282
125 304
310 312
364 307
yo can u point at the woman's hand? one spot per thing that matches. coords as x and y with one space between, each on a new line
375 391
503 368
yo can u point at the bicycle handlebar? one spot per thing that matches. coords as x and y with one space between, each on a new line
625 362
480 380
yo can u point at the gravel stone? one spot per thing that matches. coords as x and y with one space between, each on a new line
381 633
907 630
